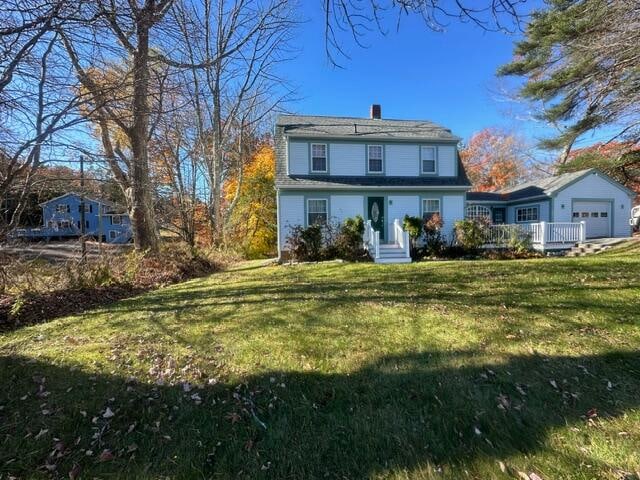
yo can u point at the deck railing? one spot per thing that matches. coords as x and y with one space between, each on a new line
542 235
402 238
371 240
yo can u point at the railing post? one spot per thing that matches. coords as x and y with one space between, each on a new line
583 232
376 236
407 245
543 234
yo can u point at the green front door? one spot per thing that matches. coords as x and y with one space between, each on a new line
375 213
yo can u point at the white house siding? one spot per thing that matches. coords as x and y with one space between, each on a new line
402 160
452 211
347 159
345 206
397 207
298 158
543 210
593 187
447 161
290 213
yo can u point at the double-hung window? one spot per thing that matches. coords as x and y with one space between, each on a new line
527 214
428 159
375 158
317 211
62 208
430 207
319 157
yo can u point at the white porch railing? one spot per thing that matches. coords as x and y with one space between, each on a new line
543 235
402 238
371 240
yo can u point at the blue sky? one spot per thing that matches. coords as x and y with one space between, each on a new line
415 73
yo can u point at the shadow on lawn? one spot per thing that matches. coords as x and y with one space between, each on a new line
416 411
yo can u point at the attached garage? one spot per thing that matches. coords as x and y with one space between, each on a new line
596 215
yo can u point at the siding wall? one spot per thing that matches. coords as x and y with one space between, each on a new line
397 207
345 206
347 159
350 158
594 187
298 158
290 213
543 209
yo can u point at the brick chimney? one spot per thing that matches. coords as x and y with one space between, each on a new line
376 112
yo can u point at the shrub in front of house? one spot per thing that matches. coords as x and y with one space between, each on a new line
471 234
413 226
328 241
434 243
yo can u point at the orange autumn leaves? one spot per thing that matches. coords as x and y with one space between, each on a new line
253 220
494 159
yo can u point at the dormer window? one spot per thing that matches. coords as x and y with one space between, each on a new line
318 158
428 159
374 155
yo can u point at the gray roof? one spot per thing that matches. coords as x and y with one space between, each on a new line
548 185
74 194
542 187
335 181
353 127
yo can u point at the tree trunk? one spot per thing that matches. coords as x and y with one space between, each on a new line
141 206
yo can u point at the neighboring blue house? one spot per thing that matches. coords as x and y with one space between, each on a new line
61 217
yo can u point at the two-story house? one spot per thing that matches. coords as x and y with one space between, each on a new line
331 168
62 218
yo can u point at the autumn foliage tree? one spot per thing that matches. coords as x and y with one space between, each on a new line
252 223
494 159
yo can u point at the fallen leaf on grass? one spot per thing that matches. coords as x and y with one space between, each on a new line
108 413
553 384
74 472
106 456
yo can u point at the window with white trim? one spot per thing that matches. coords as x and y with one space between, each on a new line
318 157
430 206
113 234
116 220
428 159
375 158
527 214
477 212
317 211
62 208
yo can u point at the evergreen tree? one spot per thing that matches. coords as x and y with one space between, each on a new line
580 60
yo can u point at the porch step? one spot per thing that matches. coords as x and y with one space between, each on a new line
391 253
590 248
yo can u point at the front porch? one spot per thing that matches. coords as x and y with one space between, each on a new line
544 236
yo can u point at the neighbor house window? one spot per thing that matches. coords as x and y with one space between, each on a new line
318 157
116 220
428 159
62 208
527 214
88 208
375 158
478 212
430 206
317 211
113 234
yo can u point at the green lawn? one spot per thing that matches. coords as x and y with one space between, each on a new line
483 369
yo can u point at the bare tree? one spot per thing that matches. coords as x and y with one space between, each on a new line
355 18
37 102
242 41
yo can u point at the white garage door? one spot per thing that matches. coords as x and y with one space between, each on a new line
596 215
